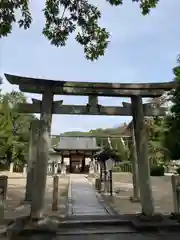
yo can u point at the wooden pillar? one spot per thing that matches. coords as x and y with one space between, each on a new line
135 197
32 158
147 202
43 155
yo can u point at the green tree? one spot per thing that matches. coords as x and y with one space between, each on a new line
14 129
62 18
158 151
172 140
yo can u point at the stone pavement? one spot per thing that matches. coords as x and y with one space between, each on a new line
82 198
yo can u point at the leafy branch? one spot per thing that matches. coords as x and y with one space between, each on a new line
62 18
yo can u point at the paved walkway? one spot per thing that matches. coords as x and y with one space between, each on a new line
82 198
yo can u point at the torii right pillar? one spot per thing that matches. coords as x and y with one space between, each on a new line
140 132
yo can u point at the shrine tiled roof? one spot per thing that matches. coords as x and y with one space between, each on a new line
76 143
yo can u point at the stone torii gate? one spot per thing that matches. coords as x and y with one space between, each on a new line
47 107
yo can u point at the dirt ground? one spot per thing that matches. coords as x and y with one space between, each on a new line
16 193
122 183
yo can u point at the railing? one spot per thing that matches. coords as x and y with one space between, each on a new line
127 167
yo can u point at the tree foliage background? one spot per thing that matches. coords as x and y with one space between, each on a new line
14 130
172 123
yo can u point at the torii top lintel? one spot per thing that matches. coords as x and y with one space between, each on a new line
35 85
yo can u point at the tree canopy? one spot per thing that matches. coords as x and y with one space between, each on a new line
14 129
64 17
172 139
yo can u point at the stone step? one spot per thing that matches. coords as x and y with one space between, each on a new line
81 231
93 220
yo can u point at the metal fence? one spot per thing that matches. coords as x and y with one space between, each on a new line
127 167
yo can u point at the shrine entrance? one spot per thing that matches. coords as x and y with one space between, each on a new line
76 152
137 109
77 163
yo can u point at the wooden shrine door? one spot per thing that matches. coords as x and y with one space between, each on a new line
76 163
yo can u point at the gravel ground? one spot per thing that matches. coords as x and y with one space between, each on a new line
16 193
122 183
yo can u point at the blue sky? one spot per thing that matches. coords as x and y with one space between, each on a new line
142 49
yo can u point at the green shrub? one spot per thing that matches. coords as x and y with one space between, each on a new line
178 170
157 170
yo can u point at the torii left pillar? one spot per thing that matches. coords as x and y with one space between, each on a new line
32 158
135 197
39 189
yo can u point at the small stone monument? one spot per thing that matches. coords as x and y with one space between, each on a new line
11 168
25 170
55 168
63 168
109 164
91 168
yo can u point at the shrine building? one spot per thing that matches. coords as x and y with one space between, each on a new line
76 153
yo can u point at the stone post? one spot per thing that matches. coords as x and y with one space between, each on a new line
110 183
38 198
147 202
3 193
11 168
2 207
32 158
49 169
25 170
175 180
55 193
55 168
98 168
135 197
